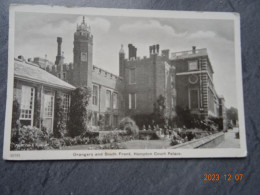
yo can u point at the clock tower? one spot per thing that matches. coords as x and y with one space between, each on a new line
82 51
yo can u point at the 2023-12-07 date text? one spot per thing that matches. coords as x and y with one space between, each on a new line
225 177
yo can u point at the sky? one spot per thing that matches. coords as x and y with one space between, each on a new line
36 36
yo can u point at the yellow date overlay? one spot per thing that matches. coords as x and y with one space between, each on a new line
225 177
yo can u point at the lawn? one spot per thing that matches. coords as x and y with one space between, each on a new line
133 144
147 144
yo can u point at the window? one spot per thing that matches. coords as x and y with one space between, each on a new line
95 119
115 101
132 101
194 99
132 76
48 105
173 102
108 99
95 95
64 75
59 75
66 105
115 120
210 100
107 119
84 56
27 105
193 65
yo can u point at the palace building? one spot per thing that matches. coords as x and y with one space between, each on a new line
184 79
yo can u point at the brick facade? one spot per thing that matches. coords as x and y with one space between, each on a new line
185 79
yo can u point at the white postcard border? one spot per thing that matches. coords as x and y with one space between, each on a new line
118 154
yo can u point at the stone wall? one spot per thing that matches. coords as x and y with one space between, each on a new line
205 142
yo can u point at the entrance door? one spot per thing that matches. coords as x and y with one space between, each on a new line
48 108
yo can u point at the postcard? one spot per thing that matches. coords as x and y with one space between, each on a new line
98 83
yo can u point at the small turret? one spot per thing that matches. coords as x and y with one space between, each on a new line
122 49
121 61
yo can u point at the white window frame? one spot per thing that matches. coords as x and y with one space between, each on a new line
190 63
96 95
108 106
32 109
129 101
115 104
65 107
45 116
130 96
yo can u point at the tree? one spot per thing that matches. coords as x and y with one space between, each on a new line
59 118
78 115
159 110
232 115
15 121
15 114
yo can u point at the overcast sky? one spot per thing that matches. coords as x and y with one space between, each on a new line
36 34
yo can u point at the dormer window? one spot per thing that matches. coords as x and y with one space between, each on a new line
193 65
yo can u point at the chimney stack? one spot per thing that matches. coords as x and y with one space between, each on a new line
166 53
154 49
157 48
132 51
59 56
193 49
59 40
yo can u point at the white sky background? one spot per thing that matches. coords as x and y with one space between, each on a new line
36 35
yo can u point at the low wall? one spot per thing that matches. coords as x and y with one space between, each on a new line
205 142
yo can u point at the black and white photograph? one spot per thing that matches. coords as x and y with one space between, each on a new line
95 83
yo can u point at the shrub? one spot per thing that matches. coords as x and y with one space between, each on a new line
130 126
110 138
174 142
159 109
78 115
56 143
90 134
37 111
15 121
30 135
148 135
30 138
67 141
94 141
81 140
144 119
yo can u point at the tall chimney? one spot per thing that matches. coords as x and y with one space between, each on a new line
59 56
59 40
153 49
130 51
157 48
135 51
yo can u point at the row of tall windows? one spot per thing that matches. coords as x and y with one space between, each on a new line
111 98
48 98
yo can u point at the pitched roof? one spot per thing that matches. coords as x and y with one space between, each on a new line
32 72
